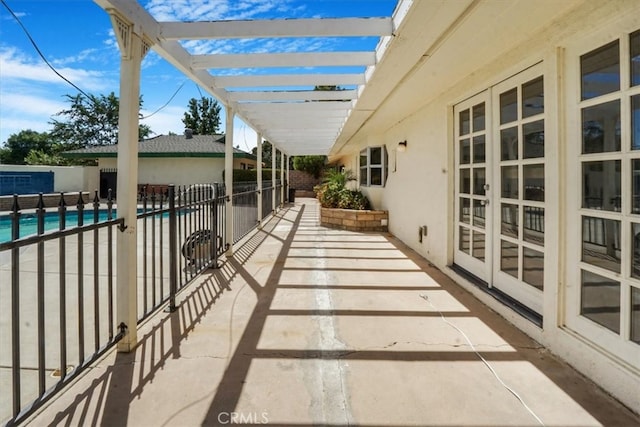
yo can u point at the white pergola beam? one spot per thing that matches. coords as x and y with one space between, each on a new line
297 128
312 132
295 106
309 128
302 137
295 95
303 128
300 120
335 27
317 115
290 80
304 59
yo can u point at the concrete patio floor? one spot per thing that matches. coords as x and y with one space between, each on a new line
306 325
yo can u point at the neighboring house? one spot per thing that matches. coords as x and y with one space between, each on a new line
510 131
168 159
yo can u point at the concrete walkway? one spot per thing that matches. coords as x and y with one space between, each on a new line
310 326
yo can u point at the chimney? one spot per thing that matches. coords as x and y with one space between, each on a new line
188 133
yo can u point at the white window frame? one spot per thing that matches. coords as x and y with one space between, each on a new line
365 181
617 344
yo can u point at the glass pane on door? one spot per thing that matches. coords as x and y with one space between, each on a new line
473 169
479 241
520 127
600 300
509 258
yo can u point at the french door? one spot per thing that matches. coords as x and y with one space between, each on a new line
473 231
500 186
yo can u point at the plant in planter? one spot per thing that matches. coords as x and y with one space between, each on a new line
333 192
347 209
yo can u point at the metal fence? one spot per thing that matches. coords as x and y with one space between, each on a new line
245 206
57 274
245 209
267 198
279 200
57 283
192 217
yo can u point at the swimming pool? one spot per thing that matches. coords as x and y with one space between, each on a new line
29 222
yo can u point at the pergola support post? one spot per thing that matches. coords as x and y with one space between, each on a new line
288 179
259 178
133 48
273 176
228 178
282 195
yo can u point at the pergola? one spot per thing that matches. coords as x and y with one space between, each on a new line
281 107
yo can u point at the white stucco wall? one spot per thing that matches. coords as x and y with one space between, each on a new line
178 171
419 189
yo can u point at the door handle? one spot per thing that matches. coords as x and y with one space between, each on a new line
484 202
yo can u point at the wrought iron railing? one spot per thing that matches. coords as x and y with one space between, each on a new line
245 205
192 217
245 209
267 199
278 192
58 302
64 274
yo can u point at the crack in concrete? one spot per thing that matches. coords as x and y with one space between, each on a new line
432 344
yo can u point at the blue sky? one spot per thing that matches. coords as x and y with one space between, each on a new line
76 37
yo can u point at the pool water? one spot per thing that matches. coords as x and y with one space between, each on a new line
29 222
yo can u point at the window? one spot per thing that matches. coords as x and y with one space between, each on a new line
373 166
610 186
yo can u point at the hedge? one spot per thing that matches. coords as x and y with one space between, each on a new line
246 175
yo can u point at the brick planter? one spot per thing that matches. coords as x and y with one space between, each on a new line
354 220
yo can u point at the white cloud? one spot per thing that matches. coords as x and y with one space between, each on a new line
30 105
14 125
74 59
11 18
21 112
17 66
215 10
31 93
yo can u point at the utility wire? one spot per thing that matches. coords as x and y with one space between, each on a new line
199 91
40 52
167 103
488 365
35 46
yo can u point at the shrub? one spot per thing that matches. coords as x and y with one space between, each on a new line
350 199
334 194
251 175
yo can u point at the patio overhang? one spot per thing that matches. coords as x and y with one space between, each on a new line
280 102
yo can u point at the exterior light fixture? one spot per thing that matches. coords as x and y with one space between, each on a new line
402 146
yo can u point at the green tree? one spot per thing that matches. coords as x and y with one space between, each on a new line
203 117
91 120
266 153
327 87
18 146
38 157
313 165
